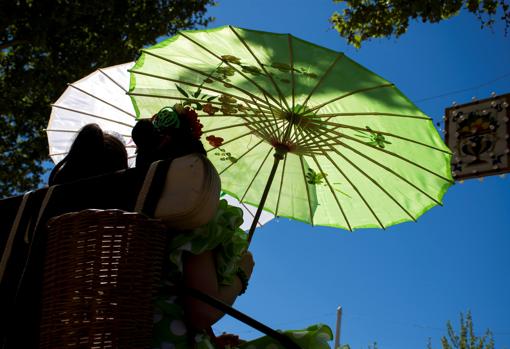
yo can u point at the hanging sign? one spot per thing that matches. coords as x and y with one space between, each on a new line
478 135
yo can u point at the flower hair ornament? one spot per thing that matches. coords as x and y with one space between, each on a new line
172 118
167 117
170 133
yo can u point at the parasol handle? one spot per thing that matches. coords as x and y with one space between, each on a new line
278 156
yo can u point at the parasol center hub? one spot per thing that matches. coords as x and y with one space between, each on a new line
300 118
293 118
280 150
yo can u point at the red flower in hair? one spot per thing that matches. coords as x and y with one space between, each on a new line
196 126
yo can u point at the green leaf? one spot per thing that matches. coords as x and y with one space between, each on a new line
364 20
184 93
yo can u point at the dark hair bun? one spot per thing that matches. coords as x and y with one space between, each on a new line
88 142
145 135
92 153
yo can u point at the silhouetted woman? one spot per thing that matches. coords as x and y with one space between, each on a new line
92 153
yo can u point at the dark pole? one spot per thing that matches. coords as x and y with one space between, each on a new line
278 156
283 339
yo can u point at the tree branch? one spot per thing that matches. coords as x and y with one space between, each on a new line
9 44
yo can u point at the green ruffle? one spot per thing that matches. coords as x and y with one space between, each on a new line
221 235
312 337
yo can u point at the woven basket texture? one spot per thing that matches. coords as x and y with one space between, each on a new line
102 269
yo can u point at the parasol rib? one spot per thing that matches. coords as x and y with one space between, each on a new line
264 113
64 131
281 128
340 135
311 139
288 130
385 134
382 166
331 115
332 65
74 131
249 211
394 155
112 80
282 97
297 131
224 128
249 124
307 189
309 142
233 139
334 194
151 95
362 90
58 154
91 115
234 116
240 157
263 131
230 65
256 174
294 137
312 144
277 133
353 186
300 135
102 100
281 186
181 98
376 183
293 82
274 117
221 92
391 171
196 71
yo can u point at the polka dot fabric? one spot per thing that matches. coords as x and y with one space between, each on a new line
223 236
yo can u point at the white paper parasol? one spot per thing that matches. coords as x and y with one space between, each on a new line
101 98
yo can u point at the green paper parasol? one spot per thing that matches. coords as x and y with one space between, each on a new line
301 131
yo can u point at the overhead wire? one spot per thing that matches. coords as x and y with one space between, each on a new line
446 94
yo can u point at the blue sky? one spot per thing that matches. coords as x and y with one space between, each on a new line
399 286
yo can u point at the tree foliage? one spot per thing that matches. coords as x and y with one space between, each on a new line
466 339
46 44
362 20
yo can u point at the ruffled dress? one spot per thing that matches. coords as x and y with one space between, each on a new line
223 236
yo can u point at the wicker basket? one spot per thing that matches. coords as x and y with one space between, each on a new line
101 271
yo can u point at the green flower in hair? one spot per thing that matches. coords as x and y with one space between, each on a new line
166 118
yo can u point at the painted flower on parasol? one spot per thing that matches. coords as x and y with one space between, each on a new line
349 149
